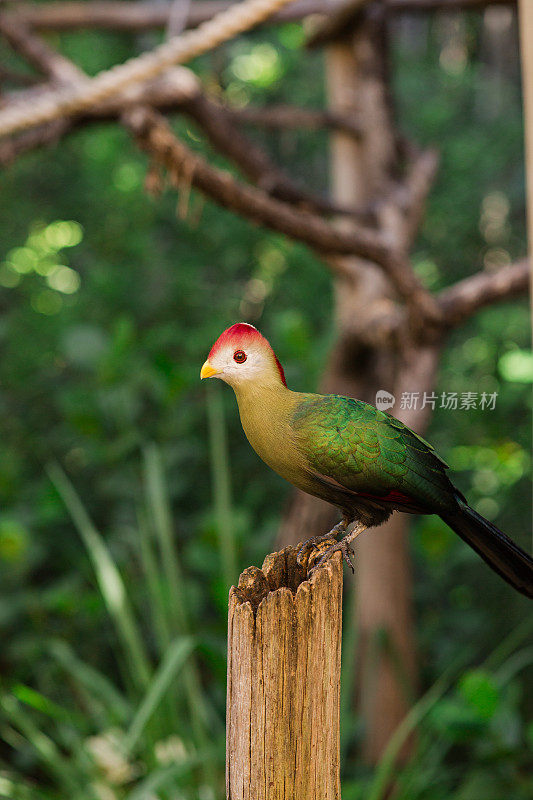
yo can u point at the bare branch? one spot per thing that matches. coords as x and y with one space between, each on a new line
458 303
444 5
74 99
338 22
176 86
294 117
215 121
144 15
169 92
154 135
179 89
133 16
218 123
414 190
177 18
37 52
462 300
60 70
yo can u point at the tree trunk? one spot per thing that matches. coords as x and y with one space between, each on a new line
284 645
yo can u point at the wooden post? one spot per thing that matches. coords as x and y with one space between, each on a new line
284 646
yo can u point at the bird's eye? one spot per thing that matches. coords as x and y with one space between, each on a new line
239 356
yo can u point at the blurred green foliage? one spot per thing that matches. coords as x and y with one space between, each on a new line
110 301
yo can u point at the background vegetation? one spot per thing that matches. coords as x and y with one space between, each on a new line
130 499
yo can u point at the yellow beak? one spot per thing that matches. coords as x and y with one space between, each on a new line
208 371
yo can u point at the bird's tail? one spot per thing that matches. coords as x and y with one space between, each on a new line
500 553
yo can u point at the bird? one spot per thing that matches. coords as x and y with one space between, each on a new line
361 460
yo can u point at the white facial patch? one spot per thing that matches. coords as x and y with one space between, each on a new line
257 361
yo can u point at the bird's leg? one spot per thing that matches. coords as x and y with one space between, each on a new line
309 544
344 546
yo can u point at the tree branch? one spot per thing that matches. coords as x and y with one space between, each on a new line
443 5
218 123
176 85
37 52
157 139
337 23
461 301
68 101
414 190
457 303
144 15
133 16
167 93
213 118
60 70
294 117
178 89
186 168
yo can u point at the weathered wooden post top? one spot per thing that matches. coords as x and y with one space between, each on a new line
284 658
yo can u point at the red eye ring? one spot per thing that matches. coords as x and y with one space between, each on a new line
239 356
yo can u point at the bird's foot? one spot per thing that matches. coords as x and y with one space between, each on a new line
343 547
314 543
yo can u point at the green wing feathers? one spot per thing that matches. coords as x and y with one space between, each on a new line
368 451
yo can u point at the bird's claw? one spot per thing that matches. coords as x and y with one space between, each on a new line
316 541
348 553
309 545
343 547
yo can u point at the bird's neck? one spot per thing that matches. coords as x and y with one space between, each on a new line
258 396
265 409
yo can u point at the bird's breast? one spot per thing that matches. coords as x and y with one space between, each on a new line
266 423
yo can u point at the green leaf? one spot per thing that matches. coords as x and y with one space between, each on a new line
39 702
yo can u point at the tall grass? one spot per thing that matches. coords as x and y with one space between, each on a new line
159 512
157 736
109 580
